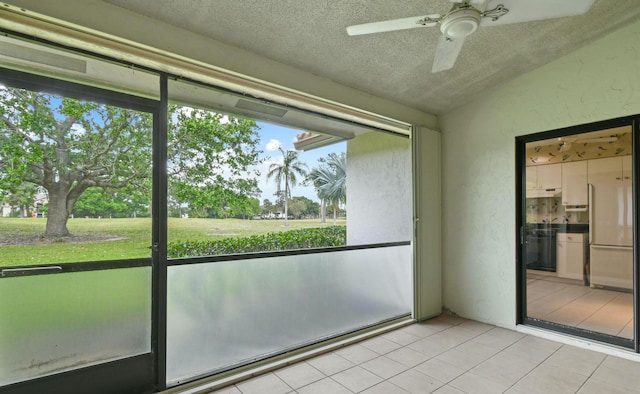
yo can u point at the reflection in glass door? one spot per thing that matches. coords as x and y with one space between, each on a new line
578 234
76 274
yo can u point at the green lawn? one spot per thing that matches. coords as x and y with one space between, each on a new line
131 237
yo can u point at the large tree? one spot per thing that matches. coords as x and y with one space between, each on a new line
68 146
286 176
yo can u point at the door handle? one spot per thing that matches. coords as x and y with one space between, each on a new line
612 247
591 192
27 271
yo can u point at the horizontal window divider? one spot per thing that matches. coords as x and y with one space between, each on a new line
280 253
286 106
50 269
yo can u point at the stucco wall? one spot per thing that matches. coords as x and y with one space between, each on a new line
598 82
379 192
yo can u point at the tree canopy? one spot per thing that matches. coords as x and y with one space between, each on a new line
69 146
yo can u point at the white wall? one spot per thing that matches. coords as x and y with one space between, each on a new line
379 191
598 82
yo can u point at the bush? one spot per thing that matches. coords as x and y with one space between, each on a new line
285 240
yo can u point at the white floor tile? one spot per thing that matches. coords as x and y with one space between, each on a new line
415 382
324 386
330 364
384 367
265 384
357 379
550 380
357 353
299 375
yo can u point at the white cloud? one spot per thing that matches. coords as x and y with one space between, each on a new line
273 145
77 130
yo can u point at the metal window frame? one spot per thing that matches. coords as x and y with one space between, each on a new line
133 373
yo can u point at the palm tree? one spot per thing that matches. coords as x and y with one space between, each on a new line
287 173
330 180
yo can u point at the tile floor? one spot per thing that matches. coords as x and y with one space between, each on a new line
449 355
573 304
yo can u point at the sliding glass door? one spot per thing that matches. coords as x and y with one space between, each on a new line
76 270
577 212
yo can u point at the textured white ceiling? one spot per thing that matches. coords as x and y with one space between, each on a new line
310 35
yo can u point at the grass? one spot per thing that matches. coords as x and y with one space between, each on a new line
131 238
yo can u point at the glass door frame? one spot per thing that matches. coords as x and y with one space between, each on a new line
521 272
138 373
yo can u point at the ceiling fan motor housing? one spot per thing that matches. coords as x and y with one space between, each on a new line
460 23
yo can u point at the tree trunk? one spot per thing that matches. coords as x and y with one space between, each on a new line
286 202
286 213
335 213
58 216
323 211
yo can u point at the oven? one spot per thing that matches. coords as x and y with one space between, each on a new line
540 245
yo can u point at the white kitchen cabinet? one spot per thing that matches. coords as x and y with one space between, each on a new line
575 190
548 176
618 168
570 255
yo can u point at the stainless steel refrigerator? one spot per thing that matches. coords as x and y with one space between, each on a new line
611 222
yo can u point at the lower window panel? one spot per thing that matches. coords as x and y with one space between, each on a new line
60 322
225 314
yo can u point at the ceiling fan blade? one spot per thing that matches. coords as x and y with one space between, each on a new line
527 10
394 24
446 53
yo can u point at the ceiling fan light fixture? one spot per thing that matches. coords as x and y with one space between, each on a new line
460 23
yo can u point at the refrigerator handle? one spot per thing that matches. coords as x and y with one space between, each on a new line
590 213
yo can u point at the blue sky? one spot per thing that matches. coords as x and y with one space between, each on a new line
273 136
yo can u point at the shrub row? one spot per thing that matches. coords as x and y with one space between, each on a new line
285 240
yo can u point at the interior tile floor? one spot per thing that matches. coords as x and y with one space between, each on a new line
571 303
448 355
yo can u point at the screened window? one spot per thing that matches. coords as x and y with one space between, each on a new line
250 176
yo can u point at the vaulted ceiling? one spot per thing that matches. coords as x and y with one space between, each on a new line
311 35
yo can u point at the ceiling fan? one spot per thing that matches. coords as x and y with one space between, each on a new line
467 15
565 143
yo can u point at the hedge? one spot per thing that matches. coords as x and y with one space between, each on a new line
293 239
